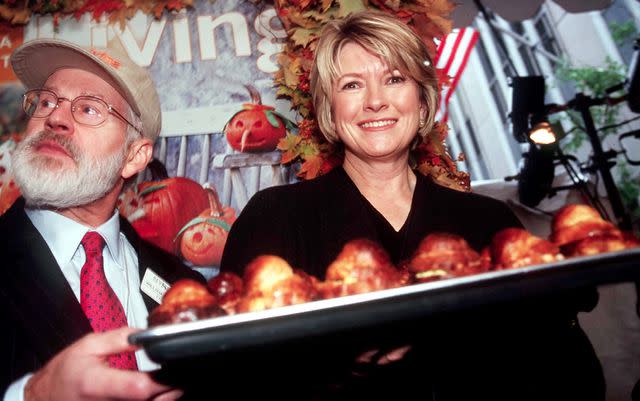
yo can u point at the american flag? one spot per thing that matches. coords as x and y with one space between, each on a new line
452 56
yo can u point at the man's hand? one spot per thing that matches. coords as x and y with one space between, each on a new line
81 372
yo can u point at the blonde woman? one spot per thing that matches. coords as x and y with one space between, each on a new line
374 90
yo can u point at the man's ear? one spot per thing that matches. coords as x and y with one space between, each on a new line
139 155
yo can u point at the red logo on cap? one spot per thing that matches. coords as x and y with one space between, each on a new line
106 58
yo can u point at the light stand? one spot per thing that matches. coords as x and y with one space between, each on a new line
528 110
601 159
578 182
535 179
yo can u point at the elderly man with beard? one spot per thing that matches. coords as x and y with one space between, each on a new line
74 275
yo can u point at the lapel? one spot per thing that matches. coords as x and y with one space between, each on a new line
43 303
145 260
37 293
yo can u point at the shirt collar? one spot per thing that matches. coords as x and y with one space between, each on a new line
63 235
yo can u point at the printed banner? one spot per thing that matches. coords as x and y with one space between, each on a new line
10 38
207 62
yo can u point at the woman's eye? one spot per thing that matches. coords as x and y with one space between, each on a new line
396 80
350 85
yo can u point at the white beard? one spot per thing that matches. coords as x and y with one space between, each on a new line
46 184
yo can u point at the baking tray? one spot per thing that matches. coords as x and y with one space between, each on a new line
386 311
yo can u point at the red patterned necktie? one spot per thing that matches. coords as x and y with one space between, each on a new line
99 303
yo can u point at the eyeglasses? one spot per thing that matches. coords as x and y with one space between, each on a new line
86 110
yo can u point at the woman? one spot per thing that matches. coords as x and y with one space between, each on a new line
374 90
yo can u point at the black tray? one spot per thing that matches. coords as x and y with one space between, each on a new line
328 320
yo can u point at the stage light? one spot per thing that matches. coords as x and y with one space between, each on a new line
542 133
633 80
535 179
527 100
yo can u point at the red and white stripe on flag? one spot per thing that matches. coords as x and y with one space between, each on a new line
452 56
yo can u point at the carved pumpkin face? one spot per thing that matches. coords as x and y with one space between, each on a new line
204 237
9 190
159 209
256 128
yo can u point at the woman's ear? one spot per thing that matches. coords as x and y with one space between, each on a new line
423 112
332 123
139 155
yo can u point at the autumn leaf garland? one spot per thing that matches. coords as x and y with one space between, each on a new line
303 20
19 11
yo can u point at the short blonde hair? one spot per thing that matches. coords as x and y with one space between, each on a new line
383 35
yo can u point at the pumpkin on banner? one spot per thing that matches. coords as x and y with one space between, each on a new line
159 209
256 128
9 190
203 238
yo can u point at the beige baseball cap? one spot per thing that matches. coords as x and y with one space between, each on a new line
34 62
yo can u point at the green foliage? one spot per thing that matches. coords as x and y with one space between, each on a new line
629 188
623 32
592 81
595 81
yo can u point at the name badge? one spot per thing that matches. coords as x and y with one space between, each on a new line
154 285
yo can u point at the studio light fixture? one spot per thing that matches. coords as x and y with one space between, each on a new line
633 79
535 178
527 101
542 133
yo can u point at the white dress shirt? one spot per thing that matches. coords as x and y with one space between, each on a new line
63 236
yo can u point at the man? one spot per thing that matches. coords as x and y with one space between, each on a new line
70 265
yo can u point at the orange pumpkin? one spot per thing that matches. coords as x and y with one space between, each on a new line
9 190
159 209
203 238
256 128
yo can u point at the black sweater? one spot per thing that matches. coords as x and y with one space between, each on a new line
307 223
531 349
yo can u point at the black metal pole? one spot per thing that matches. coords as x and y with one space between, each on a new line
581 103
497 36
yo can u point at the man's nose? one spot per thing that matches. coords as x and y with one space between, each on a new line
61 118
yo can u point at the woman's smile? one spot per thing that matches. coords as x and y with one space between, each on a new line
378 124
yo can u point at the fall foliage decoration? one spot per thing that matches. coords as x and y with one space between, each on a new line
303 20
256 128
203 238
20 11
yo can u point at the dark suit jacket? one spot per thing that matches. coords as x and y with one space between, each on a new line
40 314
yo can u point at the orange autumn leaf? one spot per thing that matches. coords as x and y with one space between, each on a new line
349 6
311 167
288 146
306 20
302 36
177 5
18 16
325 4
